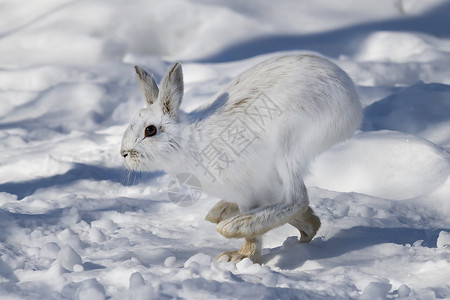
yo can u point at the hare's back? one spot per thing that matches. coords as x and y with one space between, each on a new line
304 97
292 83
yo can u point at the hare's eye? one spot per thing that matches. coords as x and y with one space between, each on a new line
150 131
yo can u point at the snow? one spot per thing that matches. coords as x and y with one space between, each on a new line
76 225
383 152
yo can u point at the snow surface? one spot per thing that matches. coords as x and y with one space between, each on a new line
74 224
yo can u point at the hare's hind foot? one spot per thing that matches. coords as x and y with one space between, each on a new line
239 226
251 249
307 223
221 211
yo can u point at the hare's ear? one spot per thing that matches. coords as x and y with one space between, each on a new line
172 91
148 85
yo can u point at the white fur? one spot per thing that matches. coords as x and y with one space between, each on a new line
316 106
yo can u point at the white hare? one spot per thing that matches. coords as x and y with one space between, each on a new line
251 145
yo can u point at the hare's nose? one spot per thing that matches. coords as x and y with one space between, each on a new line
124 153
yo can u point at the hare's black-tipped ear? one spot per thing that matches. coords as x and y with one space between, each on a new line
172 91
148 85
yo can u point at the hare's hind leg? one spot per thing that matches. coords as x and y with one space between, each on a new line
221 211
251 249
307 223
260 220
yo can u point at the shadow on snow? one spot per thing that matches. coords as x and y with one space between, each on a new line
78 172
337 42
415 110
294 254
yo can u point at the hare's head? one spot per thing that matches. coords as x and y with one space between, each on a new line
153 135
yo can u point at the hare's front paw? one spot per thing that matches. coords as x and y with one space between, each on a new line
251 249
237 227
221 211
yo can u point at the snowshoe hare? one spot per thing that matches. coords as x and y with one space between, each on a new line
251 145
